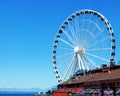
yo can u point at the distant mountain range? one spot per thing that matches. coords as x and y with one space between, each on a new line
17 90
22 90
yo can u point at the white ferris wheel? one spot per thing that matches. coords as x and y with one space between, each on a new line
84 41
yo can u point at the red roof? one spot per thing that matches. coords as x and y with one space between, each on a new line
105 75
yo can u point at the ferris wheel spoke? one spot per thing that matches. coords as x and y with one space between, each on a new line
64 61
91 22
64 55
83 23
61 48
86 63
77 29
97 57
71 69
88 31
66 42
95 23
90 61
68 36
100 32
87 36
76 24
75 65
73 34
100 41
93 29
99 49
68 68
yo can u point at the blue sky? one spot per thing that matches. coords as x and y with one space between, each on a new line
27 32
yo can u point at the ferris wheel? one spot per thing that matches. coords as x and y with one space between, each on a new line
84 41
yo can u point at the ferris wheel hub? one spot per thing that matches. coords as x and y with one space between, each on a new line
79 49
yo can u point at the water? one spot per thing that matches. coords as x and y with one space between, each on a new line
17 94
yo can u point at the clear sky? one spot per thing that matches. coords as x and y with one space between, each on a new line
27 32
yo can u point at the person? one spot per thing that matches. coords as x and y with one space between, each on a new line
70 94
